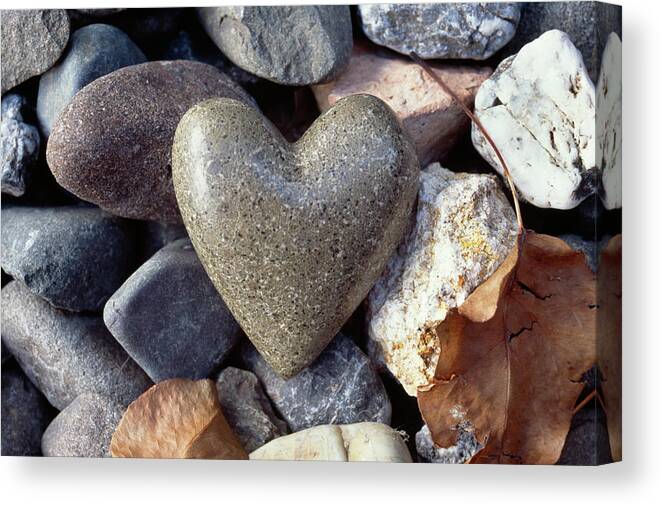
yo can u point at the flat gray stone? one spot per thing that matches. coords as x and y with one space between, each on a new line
340 387
170 318
32 41
111 146
441 30
293 45
93 51
83 429
66 354
19 146
25 413
247 408
74 257
294 235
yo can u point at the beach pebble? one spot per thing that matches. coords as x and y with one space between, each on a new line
19 146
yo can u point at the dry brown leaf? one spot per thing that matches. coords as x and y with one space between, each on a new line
609 324
177 418
513 356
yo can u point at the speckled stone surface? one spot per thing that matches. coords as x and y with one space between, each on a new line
466 447
247 408
73 257
32 41
169 317
293 45
294 235
111 145
66 354
83 429
442 30
93 51
341 386
19 146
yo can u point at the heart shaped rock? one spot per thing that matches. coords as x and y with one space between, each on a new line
294 235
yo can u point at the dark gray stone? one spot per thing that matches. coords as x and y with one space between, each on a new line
340 387
588 25
294 45
66 354
169 317
19 145
591 248
32 41
83 429
94 50
247 408
441 30
111 146
467 446
74 257
25 413
157 235
587 441
294 235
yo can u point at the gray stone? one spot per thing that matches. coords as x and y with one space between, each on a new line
169 317
247 408
111 146
588 25
66 354
74 257
467 446
25 413
294 235
157 235
32 41
83 429
590 248
94 51
442 30
340 387
294 45
587 441
19 146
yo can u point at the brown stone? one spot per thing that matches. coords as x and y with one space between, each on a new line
432 118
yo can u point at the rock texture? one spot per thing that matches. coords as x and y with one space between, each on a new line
66 354
539 108
294 235
431 117
73 257
83 429
340 387
353 442
247 408
463 230
32 41
170 318
94 51
112 144
19 145
441 30
587 440
467 446
293 45
25 413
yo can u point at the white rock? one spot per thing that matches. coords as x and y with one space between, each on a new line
330 442
609 122
463 230
539 108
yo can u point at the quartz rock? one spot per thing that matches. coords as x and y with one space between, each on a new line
441 30
463 230
467 446
169 317
340 387
539 108
351 442
247 408
19 143
83 429
66 354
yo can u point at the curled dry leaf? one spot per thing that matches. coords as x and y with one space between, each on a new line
514 354
177 418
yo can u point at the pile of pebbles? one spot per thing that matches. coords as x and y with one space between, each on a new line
120 231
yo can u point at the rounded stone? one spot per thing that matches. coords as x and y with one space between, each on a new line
111 145
19 146
294 235
293 45
94 50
